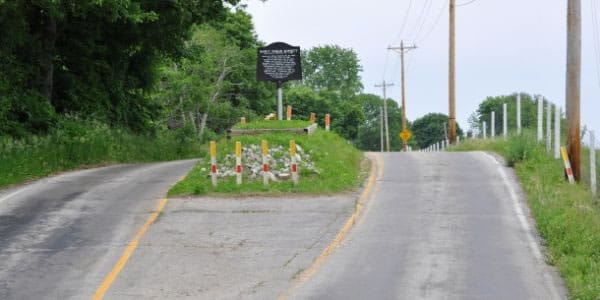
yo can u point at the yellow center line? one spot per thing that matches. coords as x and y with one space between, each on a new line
358 209
108 280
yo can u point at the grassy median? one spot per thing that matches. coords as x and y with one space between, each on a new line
567 216
338 166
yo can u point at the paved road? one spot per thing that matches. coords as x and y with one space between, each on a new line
439 226
59 237
436 226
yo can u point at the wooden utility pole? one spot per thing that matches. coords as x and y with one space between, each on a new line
402 49
451 76
381 127
573 89
384 86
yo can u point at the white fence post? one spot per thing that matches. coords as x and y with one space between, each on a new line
549 127
493 125
519 113
556 132
504 120
540 116
593 162
484 130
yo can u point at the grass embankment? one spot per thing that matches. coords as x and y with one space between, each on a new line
337 161
567 216
74 145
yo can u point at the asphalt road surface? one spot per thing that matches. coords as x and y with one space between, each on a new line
439 226
59 237
434 226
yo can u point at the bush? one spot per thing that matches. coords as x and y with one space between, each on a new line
75 143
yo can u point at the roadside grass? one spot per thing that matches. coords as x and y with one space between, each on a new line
273 124
567 216
341 167
75 145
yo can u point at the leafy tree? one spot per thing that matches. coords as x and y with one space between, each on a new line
431 129
484 112
332 68
214 83
97 59
369 132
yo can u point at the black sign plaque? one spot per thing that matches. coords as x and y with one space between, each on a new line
279 62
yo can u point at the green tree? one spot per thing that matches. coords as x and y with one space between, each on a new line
484 112
97 59
369 132
431 129
332 68
214 84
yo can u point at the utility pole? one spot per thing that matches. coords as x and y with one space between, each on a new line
381 127
573 82
451 75
402 49
384 86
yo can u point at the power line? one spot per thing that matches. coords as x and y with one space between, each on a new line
437 21
404 21
466 3
421 18
424 20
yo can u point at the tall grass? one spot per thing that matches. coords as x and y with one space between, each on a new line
74 144
567 217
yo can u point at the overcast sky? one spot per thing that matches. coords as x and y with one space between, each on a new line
503 46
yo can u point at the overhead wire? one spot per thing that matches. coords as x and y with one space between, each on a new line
435 23
427 4
421 18
405 20
466 3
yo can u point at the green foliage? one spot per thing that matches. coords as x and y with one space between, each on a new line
332 68
339 164
369 130
74 143
431 129
96 59
216 77
346 115
528 112
272 124
566 216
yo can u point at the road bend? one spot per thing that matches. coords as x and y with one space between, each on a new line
60 236
439 226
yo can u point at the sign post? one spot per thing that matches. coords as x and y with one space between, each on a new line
213 163
265 153
238 162
279 62
293 164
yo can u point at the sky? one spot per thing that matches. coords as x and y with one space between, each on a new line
502 47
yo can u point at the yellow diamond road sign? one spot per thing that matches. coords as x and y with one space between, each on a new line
405 135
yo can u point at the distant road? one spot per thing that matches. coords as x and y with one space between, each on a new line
439 226
59 237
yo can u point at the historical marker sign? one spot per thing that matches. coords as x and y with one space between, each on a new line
279 62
